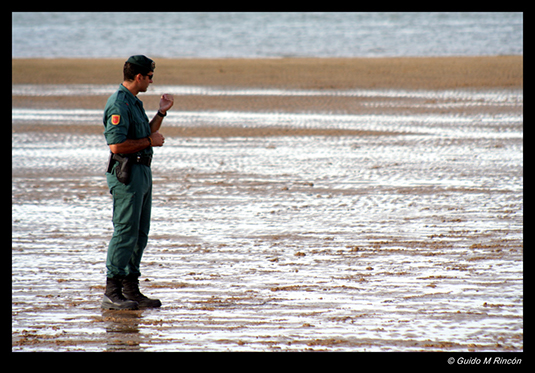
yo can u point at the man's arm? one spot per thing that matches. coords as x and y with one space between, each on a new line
134 146
155 123
130 146
166 102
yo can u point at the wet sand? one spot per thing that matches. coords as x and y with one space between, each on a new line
269 238
503 72
306 73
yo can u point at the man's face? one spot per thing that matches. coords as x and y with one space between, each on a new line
145 81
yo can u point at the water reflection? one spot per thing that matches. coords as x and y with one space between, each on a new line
122 328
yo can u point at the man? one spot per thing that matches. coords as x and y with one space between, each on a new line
131 138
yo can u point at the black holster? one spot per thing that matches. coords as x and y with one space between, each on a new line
123 168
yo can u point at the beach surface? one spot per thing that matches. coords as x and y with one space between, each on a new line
445 73
318 73
370 204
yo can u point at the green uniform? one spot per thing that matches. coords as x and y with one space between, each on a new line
125 118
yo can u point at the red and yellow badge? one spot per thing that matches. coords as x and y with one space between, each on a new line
115 119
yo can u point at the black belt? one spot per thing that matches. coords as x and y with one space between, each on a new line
144 159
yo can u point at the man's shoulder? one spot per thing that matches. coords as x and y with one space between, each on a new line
119 100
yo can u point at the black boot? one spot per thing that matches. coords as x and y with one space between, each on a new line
113 297
131 291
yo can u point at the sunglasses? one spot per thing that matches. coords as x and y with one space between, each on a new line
150 76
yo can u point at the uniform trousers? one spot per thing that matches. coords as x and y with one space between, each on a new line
131 221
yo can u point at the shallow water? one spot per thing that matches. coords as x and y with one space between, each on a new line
457 113
260 34
475 96
408 242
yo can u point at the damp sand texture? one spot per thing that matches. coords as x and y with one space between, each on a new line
385 214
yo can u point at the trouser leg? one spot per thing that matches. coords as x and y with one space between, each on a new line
131 221
133 267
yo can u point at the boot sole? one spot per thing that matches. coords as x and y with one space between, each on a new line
151 304
107 304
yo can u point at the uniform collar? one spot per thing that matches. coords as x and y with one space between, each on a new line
129 94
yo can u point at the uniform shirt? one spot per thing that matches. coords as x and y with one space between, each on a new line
125 118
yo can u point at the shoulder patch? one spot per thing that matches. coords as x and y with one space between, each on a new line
115 119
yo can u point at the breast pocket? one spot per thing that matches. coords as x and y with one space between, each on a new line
141 126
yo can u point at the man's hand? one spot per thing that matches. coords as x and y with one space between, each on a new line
166 102
157 139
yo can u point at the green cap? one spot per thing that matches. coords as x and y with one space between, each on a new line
142 61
